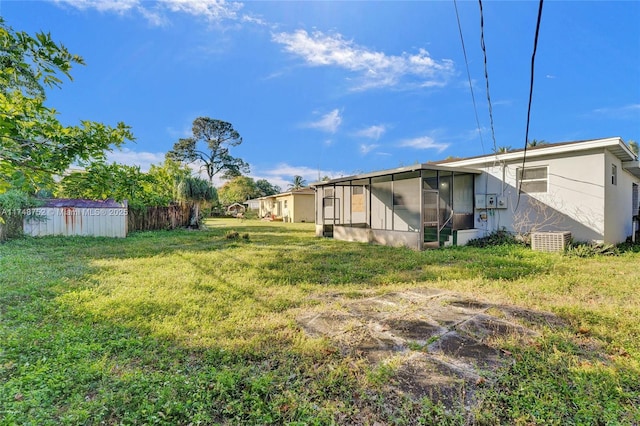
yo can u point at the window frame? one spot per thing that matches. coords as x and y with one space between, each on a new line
522 183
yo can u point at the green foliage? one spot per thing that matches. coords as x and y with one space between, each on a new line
237 190
297 183
195 191
188 327
496 238
33 143
165 178
578 249
100 181
536 143
217 136
15 205
264 188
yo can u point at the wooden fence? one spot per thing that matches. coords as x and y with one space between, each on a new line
152 218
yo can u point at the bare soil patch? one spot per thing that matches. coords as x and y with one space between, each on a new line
441 344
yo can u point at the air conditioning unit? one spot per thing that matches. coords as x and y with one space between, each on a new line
550 241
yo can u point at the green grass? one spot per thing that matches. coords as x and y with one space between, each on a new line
194 327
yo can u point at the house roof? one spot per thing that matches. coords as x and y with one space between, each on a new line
615 145
412 168
234 205
302 191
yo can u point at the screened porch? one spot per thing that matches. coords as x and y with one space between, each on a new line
420 206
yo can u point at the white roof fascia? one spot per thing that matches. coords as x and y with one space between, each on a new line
632 167
549 150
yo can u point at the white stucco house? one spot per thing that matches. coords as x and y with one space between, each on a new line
588 188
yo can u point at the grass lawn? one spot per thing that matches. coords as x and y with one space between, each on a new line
192 327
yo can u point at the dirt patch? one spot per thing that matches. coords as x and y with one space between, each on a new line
443 345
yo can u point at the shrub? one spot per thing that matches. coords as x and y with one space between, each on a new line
15 205
232 235
581 249
235 235
496 238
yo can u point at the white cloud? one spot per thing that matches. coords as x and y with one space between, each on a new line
365 149
211 10
424 142
135 158
155 12
372 132
376 69
328 123
117 6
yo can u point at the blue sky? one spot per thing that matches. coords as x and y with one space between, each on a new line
339 88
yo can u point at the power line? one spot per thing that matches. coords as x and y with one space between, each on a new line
466 61
486 77
533 61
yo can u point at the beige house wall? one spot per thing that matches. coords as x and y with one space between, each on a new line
291 206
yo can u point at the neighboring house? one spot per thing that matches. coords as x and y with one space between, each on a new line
589 188
235 209
293 206
253 204
106 218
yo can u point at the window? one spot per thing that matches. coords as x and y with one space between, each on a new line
328 197
614 174
532 179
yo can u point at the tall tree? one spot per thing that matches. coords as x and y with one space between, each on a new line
195 191
100 181
34 145
634 147
237 190
209 146
265 188
166 176
297 183
503 149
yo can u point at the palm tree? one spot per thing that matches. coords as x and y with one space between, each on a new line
634 147
194 191
534 142
503 149
298 183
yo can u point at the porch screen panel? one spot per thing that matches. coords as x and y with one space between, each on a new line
463 201
344 194
328 201
358 204
446 198
381 203
406 205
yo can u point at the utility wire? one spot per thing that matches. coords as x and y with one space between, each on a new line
466 61
526 136
486 77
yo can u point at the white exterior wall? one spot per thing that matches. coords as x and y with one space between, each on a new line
618 216
98 222
574 201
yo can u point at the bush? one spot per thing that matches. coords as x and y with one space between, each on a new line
497 238
235 235
581 249
15 205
